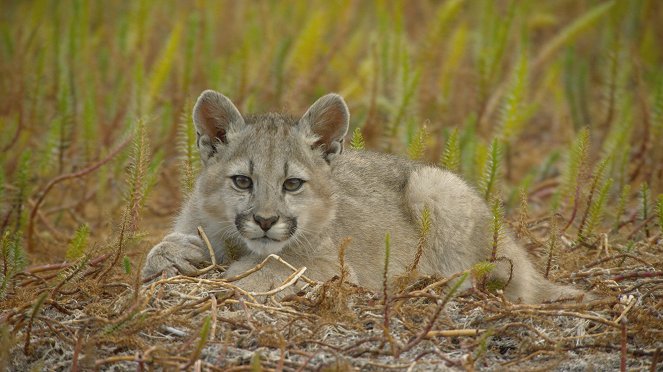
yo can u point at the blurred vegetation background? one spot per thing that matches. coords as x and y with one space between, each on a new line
559 101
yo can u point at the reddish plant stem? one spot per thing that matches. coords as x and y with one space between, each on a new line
575 208
87 170
646 274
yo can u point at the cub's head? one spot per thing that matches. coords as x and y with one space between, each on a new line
266 178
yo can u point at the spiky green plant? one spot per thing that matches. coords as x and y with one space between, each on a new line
514 110
451 155
78 244
572 173
357 141
492 171
138 170
417 145
596 210
12 260
483 268
496 226
552 242
597 185
138 184
424 228
126 265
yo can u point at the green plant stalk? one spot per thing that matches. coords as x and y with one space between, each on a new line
424 229
357 141
596 179
493 167
572 31
78 244
496 227
512 116
451 155
597 208
417 147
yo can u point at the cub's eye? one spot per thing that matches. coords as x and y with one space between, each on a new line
242 182
292 184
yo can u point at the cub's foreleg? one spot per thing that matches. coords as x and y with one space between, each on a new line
176 254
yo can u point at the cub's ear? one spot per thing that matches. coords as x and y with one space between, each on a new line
214 115
327 119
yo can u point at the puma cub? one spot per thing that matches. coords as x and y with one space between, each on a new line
278 184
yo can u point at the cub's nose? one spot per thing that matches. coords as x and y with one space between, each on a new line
265 223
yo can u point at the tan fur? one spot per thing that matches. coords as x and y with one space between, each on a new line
360 194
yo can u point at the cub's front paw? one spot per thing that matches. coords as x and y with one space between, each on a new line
174 258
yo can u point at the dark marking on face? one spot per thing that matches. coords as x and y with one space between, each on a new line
285 169
292 225
240 221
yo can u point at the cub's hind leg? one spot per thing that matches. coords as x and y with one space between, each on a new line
459 219
460 236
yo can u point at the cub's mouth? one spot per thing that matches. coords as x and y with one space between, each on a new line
265 240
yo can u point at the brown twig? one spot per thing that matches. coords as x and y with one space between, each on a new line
83 172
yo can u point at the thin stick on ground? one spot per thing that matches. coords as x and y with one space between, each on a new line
85 171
